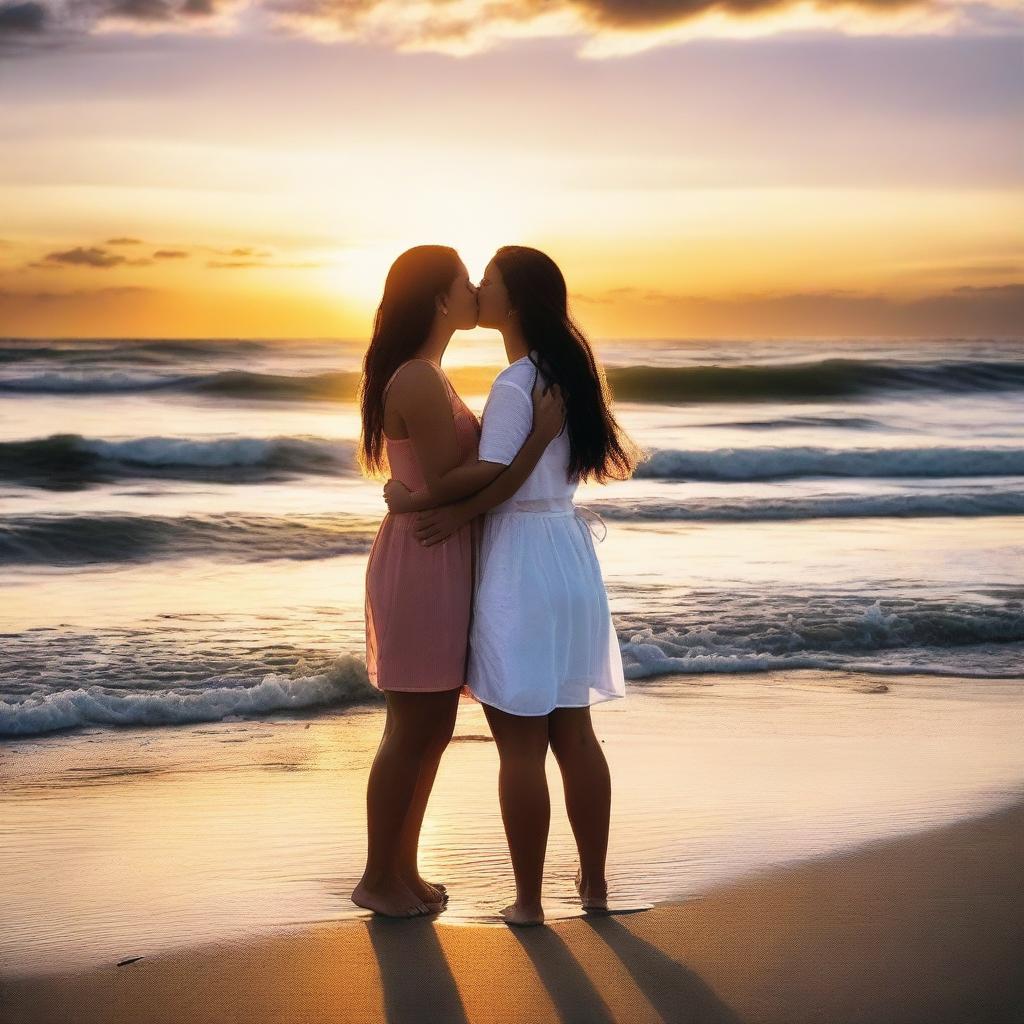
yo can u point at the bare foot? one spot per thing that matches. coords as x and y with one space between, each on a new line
514 914
392 901
433 897
442 889
593 895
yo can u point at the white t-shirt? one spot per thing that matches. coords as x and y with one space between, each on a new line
507 421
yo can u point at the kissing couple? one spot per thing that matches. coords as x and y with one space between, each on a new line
483 582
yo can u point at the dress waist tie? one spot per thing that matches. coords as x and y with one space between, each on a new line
557 507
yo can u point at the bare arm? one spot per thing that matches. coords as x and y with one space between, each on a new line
457 483
474 475
436 525
507 483
505 478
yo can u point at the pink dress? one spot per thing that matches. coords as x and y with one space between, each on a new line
419 599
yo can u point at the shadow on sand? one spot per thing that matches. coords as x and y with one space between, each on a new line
676 993
421 987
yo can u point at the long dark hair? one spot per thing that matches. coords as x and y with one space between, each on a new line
400 327
599 448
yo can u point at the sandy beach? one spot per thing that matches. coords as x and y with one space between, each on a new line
815 851
818 601
770 254
925 928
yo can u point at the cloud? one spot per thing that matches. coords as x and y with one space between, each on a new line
94 256
611 27
963 271
604 27
242 252
657 13
37 26
85 256
966 311
472 25
147 10
22 17
101 256
246 257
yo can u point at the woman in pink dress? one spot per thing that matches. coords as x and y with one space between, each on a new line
543 646
418 599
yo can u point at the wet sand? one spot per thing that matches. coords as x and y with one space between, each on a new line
927 928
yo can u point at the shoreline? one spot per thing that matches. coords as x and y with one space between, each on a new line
922 927
827 680
147 841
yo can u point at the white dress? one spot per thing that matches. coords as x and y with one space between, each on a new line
541 635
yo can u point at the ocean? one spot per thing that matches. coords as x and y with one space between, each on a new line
816 577
184 527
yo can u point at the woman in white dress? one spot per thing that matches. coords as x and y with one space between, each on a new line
542 646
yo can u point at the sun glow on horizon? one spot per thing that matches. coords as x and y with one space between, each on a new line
680 192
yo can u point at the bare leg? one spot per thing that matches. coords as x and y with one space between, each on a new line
525 806
587 784
414 722
408 855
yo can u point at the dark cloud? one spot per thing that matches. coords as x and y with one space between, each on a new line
633 14
86 256
141 10
447 26
23 17
103 258
34 25
152 11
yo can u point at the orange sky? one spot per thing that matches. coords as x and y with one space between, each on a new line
827 169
